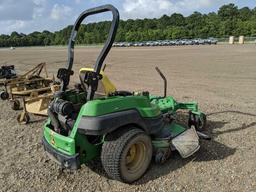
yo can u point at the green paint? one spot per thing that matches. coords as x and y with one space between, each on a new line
169 104
87 150
74 97
152 106
64 144
175 130
108 105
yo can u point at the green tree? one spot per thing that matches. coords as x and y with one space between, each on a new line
229 20
229 11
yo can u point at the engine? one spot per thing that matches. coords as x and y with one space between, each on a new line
62 107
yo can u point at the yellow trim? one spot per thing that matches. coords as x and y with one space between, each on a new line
109 87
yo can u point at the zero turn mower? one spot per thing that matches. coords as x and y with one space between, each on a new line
126 130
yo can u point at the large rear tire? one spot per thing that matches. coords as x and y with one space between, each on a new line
126 155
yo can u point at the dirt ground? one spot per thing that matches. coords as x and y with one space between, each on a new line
221 78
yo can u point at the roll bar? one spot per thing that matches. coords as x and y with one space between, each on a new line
65 73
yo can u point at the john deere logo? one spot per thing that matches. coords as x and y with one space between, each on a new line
52 138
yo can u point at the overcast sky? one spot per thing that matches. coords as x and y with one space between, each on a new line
27 16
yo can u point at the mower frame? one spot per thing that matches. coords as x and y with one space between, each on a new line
82 127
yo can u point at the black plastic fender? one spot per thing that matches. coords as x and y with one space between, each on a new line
104 124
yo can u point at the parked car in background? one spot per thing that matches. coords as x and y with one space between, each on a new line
176 42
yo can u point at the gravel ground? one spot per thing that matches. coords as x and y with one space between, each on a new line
221 78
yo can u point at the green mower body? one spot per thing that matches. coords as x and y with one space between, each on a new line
125 129
100 117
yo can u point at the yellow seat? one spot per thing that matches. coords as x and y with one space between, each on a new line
105 86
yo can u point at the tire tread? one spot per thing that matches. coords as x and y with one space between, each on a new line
112 150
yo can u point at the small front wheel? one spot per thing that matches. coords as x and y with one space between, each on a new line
198 121
23 118
127 156
4 95
15 105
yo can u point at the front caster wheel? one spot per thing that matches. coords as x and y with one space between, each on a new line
162 155
15 105
126 157
23 118
198 121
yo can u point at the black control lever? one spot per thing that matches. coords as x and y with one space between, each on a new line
165 81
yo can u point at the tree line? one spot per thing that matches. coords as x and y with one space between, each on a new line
229 20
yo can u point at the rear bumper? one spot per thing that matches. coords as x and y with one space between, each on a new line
65 161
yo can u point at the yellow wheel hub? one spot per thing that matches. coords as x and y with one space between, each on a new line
135 156
131 154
